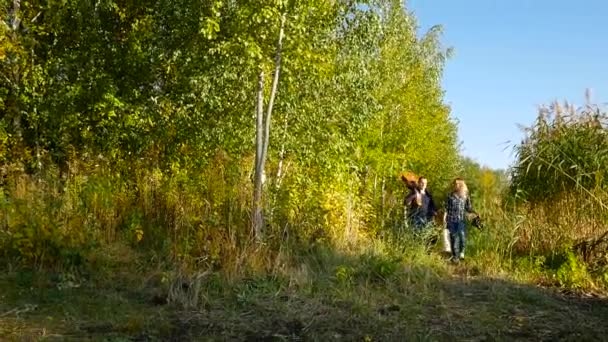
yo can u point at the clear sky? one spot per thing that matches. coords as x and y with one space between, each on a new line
511 56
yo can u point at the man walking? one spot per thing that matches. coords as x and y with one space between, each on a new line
420 207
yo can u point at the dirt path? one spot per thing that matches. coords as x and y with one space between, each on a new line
460 308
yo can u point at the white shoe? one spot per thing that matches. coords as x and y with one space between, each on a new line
461 256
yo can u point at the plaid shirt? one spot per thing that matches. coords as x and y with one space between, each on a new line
456 208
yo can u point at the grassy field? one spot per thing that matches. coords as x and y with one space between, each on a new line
422 298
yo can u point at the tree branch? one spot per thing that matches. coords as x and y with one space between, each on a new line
275 83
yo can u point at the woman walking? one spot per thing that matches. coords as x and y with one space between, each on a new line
457 205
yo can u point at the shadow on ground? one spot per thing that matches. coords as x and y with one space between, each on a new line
418 306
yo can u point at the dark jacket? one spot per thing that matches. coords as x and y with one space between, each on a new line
427 210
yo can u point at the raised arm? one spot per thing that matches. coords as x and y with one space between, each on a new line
409 198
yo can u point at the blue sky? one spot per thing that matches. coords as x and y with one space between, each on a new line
511 56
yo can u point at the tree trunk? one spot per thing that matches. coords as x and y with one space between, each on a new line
15 15
282 154
263 134
258 218
14 25
382 205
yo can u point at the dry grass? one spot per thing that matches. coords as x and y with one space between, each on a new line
563 222
414 303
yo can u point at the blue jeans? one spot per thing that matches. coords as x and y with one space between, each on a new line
419 224
457 238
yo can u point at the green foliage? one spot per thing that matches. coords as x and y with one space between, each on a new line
344 274
41 229
483 182
534 265
572 272
380 268
134 121
564 152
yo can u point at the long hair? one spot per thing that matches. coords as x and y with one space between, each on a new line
460 188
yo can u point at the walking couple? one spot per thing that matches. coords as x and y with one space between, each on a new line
421 211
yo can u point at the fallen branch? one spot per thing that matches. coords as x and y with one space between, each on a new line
588 247
17 311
